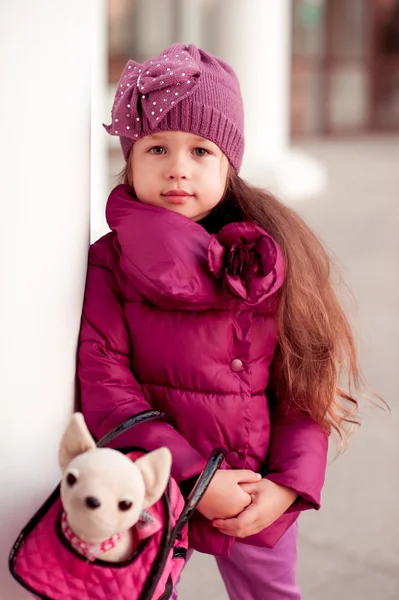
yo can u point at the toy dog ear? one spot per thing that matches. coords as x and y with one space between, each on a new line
76 440
155 469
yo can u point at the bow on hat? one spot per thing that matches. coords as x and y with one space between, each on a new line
151 89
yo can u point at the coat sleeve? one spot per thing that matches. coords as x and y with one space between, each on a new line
297 455
109 393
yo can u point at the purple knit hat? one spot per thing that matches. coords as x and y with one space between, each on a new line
184 89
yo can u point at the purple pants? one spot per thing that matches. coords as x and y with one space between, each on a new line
255 573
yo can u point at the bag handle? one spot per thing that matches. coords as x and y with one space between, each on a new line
142 417
191 504
200 487
203 480
195 496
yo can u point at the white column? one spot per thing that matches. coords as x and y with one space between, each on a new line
100 113
153 26
189 21
254 37
44 235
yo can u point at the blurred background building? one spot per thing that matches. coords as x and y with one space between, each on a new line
344 63
340 58
308 69
345 67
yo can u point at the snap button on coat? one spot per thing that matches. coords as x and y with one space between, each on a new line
232 459
236 365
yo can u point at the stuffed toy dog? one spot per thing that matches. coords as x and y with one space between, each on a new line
106 496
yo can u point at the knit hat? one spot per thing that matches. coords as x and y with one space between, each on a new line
184 89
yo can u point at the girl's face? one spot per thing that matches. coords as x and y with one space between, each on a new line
179 171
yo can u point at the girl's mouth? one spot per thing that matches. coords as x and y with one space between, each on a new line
177 196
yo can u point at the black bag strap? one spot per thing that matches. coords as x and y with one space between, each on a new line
194 498
199 489
143 417
203 480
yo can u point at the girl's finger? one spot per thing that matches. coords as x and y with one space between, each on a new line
250 488
227 526
247 520
247 476
248 517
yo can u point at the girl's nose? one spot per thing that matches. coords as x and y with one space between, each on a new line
178 168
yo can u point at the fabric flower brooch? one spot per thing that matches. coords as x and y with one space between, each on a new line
249 261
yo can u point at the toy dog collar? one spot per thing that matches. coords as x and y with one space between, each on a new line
89 551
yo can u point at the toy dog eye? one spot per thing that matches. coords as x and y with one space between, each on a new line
125 505
71 479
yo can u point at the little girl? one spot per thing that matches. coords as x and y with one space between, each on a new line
212 301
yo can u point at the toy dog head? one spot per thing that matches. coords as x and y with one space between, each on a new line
103 491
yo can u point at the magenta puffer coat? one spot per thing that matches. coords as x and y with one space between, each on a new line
184 322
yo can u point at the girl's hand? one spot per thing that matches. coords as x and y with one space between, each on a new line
226 496
269 502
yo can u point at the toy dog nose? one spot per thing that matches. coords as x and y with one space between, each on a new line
92 502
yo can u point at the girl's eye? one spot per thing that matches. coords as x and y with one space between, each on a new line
158 150
200 152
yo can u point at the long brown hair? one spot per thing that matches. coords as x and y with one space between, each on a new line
315 368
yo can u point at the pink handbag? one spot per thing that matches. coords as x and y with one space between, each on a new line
45 564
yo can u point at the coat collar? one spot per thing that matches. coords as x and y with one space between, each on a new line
176 264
